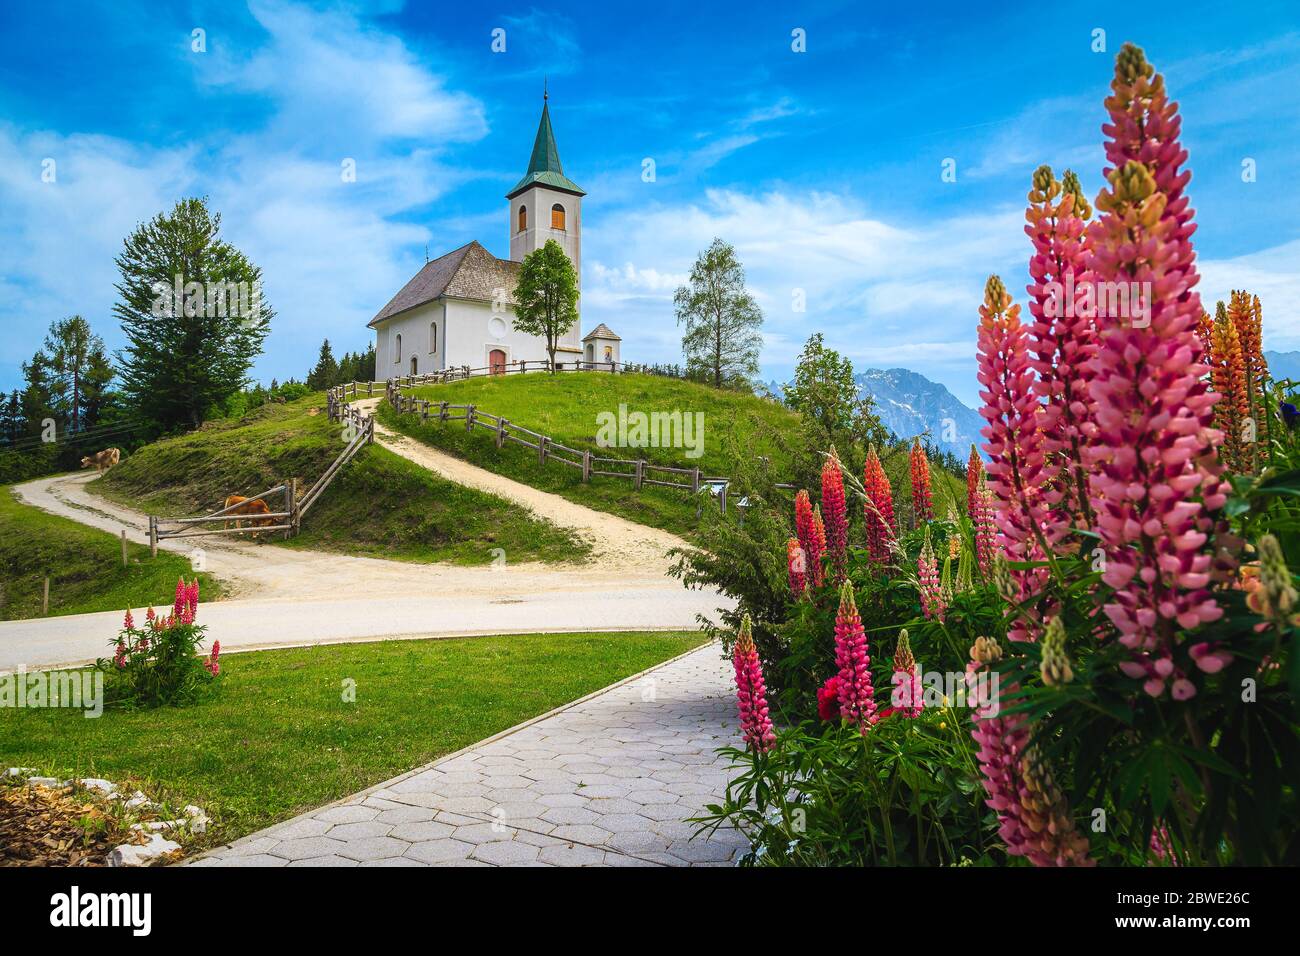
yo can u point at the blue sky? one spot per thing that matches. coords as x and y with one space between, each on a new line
822 167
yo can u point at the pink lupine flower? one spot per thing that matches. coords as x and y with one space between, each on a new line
835 515
796 564
1155 476
856 693
192 599
128 622
212 665
182 598
1208 657
974 475
751 691
1033 815
877 509
119 658
1062 339
1020 474
1162 845
933 600
908 697
150 615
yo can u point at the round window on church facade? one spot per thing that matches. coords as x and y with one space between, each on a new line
497 327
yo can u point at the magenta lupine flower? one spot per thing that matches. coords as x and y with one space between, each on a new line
192 599
119 658
213 667
986 530
150 615
1162 845
182 596
128 622
751 691
857 695
933 600
1155 476
1062 339
835 516
1020 475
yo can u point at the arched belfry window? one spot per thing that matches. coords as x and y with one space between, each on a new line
523 218
557 216
397 360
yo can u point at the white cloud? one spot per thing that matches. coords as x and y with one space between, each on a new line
1270 274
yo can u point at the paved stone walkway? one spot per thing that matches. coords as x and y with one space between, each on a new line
606 781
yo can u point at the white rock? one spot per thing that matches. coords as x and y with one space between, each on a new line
106 787
197 818
137 801
19 771
156 826
128 854
51 782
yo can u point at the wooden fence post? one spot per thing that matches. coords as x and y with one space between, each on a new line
424 412
586 467
469 418
501 431
45 598
153 536
695 482
640 473
541 450
124 561
370 389
290 496
442 411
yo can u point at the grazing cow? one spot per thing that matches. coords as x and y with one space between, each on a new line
102 460
248 506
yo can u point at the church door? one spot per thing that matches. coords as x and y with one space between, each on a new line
497 361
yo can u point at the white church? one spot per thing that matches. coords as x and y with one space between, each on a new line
459 309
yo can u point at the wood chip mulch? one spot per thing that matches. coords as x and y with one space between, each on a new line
43 827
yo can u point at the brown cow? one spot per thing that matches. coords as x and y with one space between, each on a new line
102 460
248 506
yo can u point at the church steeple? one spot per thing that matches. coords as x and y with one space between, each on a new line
544 165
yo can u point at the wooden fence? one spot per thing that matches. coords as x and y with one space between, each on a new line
360 432
637 470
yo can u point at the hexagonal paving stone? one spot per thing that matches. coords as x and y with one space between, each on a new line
324 861
421 831
505 852
439 851
308 847
359 831
571 856
405 815
373 848
302 827
348 813
560 815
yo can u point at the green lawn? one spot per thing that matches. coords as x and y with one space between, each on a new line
381 505
278 738
84 566
738 429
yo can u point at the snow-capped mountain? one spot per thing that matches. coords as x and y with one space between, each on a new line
910 404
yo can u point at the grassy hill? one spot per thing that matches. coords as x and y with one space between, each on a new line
84 566
738 430
381 505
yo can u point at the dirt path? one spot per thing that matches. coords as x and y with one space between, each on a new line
616 542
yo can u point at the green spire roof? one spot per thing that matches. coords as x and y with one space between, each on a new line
544 167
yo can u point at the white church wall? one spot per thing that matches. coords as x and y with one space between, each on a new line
474 330
414 327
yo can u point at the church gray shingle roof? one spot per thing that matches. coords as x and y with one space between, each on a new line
470 272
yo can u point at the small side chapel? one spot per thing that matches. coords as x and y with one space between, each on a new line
458 310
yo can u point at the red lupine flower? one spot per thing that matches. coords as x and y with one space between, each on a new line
212 665
128 622
1155 477
796 563
1062 339
812 544
974 472
835 515
922 507
856 693
182 597
751 692
818 547
877 509
828 699
149 615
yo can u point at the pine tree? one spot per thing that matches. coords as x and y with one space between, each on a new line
326 373
367 370
37 396
193 314
11 418
79 371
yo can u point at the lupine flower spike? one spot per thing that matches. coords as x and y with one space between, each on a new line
877 510
974 475
856 692
812 545
933 603
835 515
908 697
1056 668
751 691
818 547
797 566
1155 478
922 507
